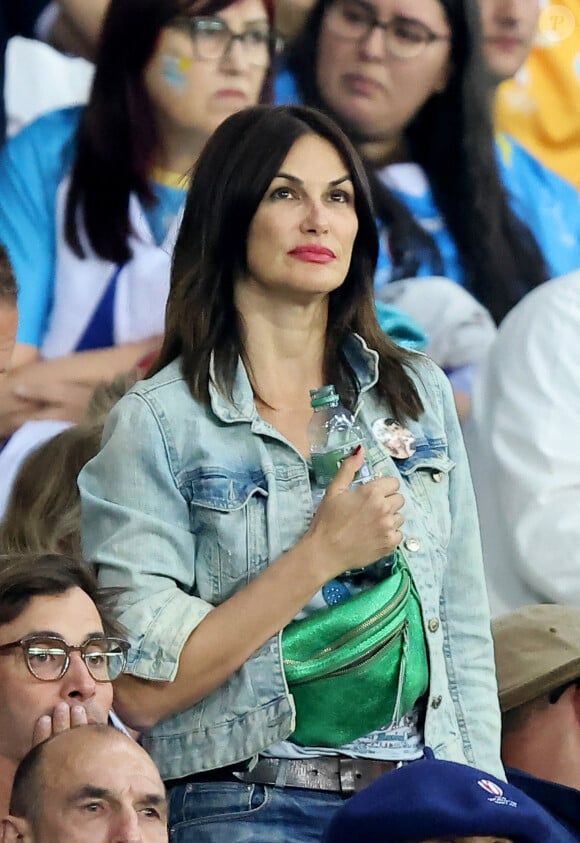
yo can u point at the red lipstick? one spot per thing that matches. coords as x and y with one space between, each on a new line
313 254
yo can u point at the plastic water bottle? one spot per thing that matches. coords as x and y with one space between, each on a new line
334 434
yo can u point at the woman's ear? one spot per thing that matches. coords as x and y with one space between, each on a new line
15 829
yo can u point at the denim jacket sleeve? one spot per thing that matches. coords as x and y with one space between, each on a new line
464 608
138 544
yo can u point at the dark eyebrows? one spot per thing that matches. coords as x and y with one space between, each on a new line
296 180
50 633
373 12
89 791
336 182
153 799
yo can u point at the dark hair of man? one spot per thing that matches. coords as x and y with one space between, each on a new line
230 179
452 139
117 137
26 576
8 286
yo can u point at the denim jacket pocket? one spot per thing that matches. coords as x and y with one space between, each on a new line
426 475
229 524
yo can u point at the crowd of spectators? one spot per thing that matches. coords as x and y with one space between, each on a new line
242 201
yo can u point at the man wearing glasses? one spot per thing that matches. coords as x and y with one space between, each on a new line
60 648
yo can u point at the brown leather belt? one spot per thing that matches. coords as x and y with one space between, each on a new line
333 774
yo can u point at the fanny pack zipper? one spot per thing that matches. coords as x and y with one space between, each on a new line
393 604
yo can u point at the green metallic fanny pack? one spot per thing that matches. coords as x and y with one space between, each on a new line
357 666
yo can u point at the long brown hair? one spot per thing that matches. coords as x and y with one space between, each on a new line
44 509
229 181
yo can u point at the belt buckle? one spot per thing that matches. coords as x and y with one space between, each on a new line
351 775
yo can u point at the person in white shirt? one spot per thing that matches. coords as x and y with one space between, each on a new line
524 451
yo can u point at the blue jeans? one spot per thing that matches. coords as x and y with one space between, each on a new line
228 812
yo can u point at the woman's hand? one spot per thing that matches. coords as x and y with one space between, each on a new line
355 527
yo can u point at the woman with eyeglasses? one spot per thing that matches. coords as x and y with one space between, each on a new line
91 197
409 85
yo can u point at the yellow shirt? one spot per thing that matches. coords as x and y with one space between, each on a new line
540 107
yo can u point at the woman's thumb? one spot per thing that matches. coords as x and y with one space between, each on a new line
347 471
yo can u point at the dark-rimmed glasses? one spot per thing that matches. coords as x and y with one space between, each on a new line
47 657
212 39
403 38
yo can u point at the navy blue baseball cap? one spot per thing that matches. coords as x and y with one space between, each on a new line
431 798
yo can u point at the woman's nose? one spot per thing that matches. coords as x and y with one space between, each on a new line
372 46
235 57
316 218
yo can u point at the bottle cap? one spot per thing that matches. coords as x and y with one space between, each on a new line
324 396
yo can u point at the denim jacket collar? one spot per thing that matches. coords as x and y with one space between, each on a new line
364 361
241 407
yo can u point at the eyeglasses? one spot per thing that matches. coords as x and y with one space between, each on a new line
212 39
403 38
47 657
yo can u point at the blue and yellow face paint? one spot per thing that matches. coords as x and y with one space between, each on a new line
174 70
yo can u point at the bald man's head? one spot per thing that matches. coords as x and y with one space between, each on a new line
91 784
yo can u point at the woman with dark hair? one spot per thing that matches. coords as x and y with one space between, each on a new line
91 196
411 89
202 502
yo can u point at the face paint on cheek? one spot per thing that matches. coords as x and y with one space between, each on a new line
174 71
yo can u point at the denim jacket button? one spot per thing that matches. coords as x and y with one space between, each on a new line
437 476
412 545
433 625
436 701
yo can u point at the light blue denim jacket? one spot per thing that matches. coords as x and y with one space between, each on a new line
187 503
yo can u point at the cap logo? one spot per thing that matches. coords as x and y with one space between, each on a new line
496 793
490 787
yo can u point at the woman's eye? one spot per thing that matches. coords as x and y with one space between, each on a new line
282 193
341 196
257 37
407 31
210 29
355 14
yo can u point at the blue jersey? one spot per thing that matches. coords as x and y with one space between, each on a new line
33 168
